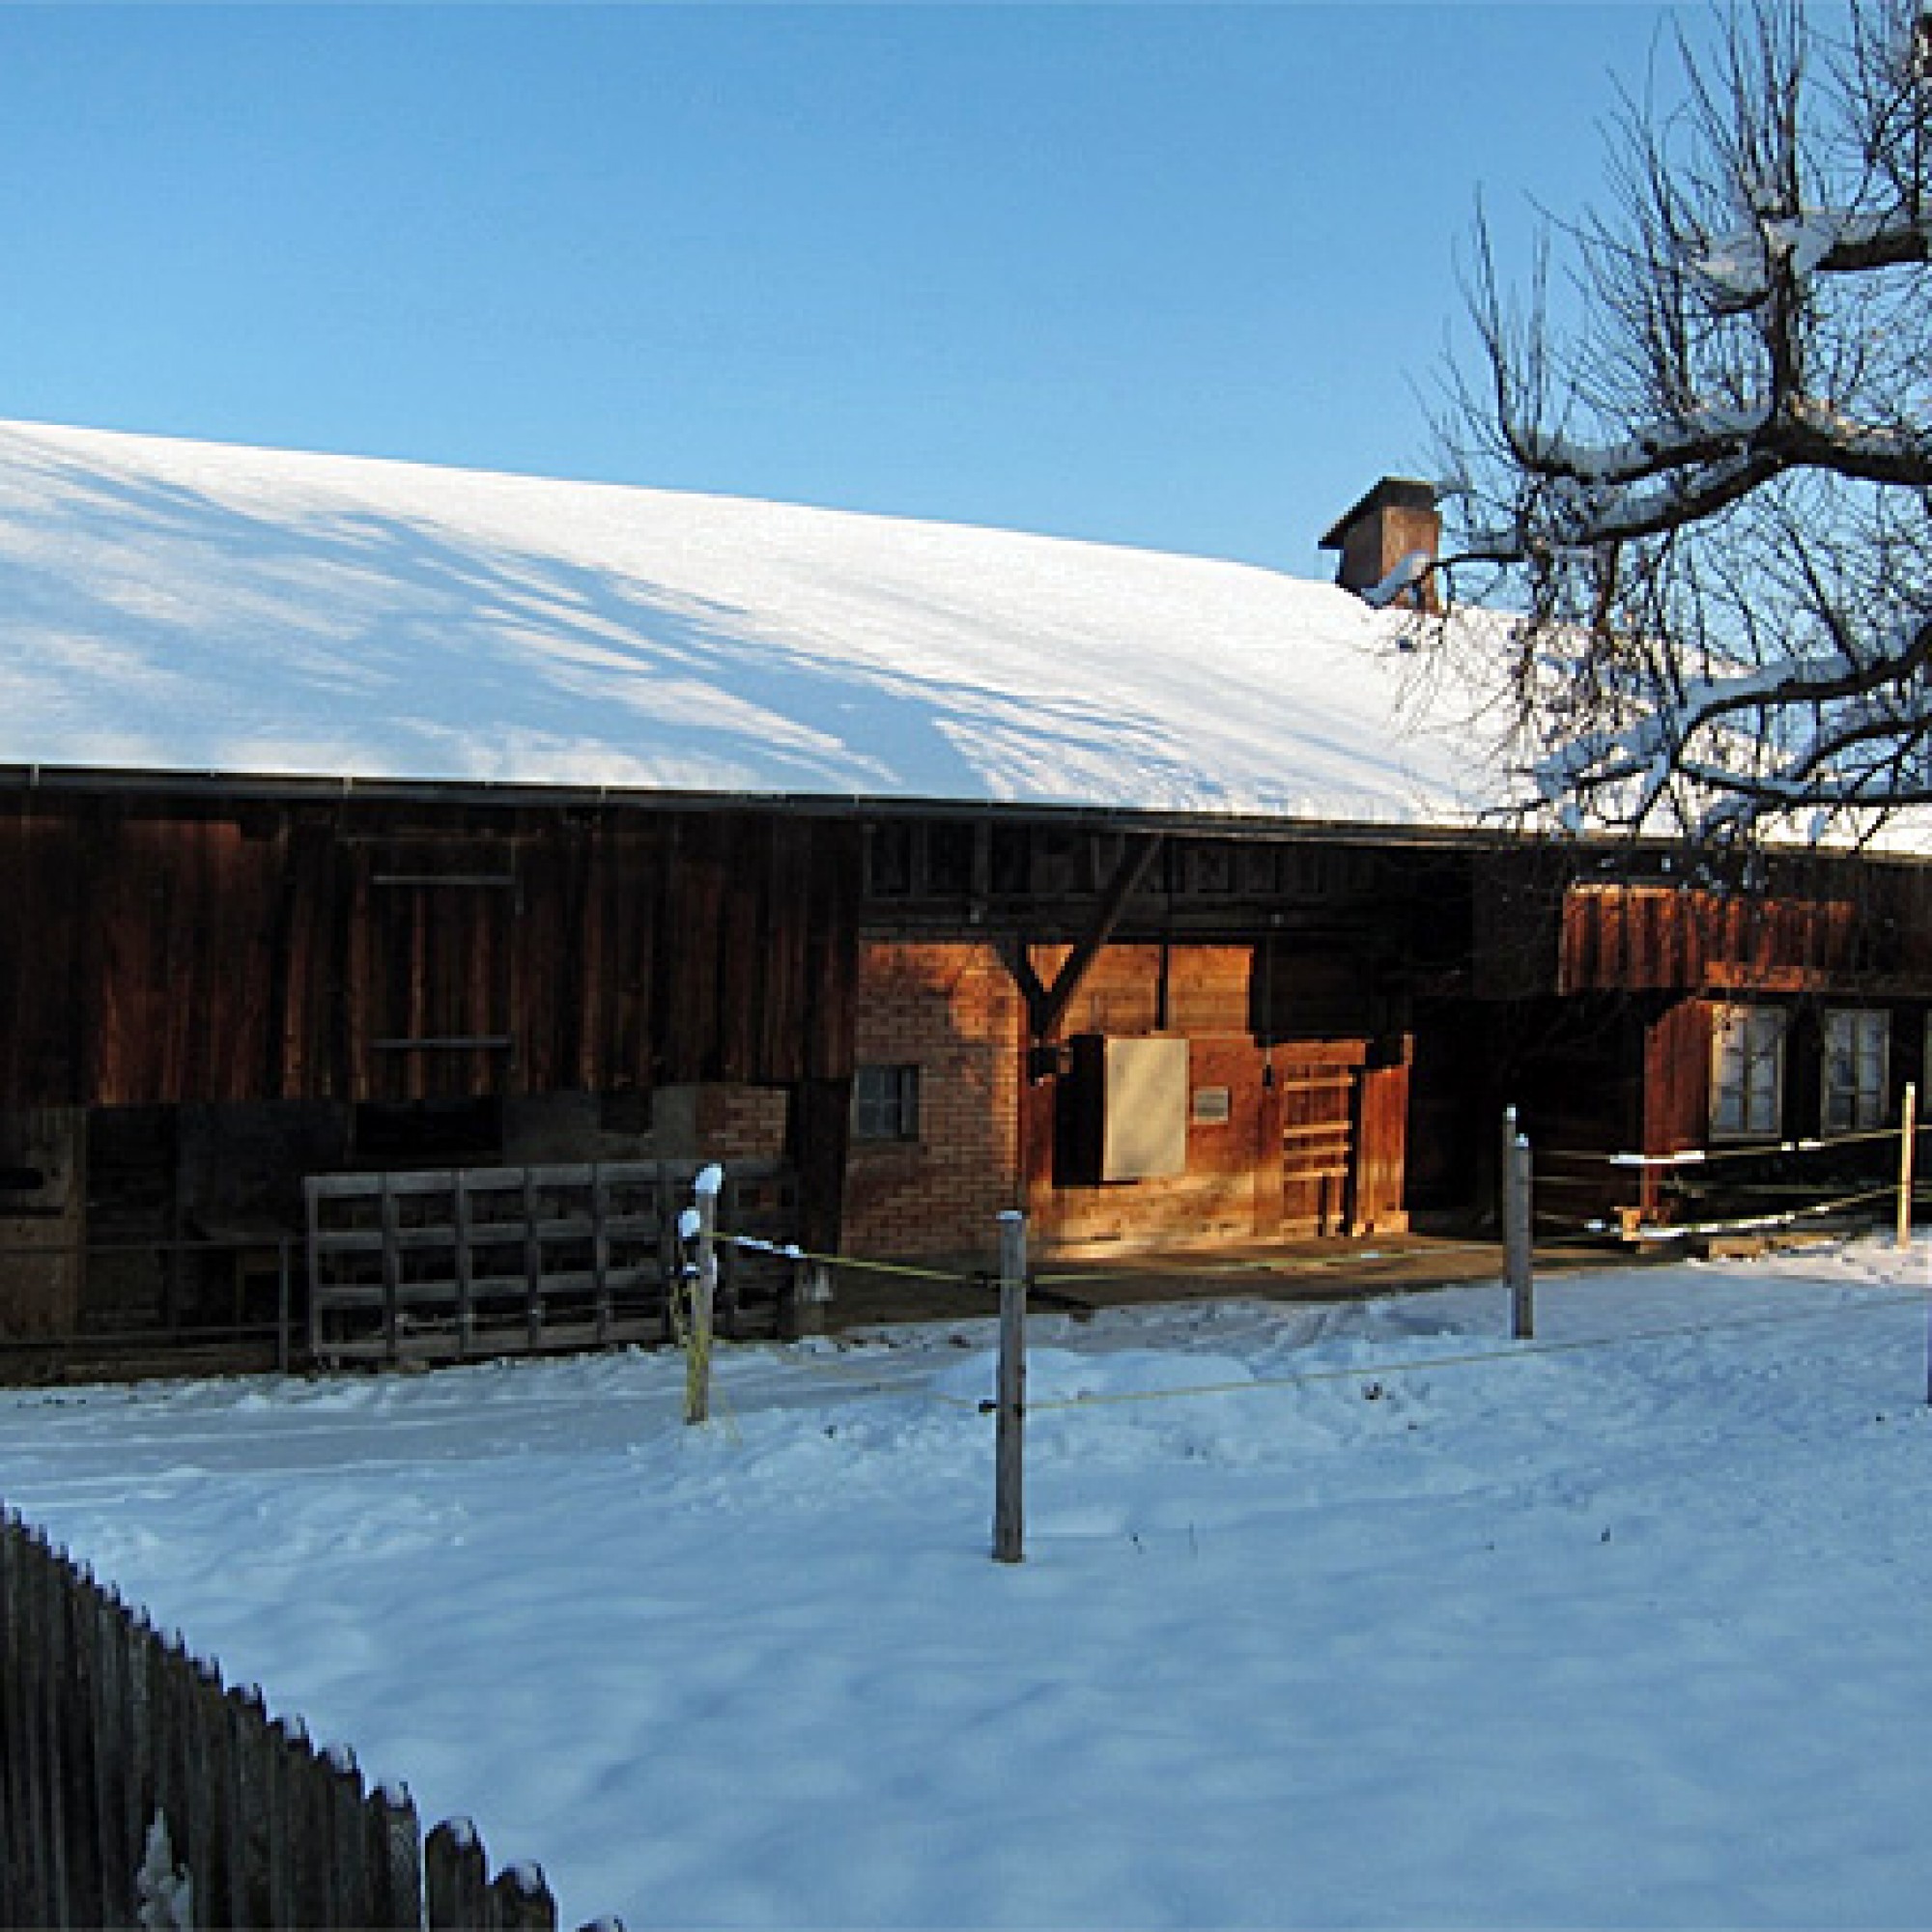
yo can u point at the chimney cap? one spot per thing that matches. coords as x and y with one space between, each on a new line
1392 493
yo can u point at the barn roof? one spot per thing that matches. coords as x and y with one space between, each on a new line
181 608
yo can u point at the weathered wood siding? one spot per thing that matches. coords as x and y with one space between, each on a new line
1660 938
1677 1078
1381 1150
364 951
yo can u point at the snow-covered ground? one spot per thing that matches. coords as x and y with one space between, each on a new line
1378 1619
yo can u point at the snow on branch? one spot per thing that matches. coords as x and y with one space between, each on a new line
1708 491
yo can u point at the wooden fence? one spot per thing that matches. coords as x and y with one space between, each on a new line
455 1265
135 1789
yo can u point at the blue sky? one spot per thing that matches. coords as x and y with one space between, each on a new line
1173 276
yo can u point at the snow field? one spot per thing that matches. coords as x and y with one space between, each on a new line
1401 1625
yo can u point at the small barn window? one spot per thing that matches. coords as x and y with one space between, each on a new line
1747 1072
1856 1044
888 860
948 861
1011 865
884 1102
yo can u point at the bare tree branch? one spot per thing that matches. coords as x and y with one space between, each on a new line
1707 490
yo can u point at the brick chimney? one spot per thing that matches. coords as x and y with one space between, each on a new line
1385 539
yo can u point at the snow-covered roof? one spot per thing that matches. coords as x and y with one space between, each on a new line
186 608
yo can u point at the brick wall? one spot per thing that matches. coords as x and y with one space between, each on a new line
952 1012
952 1009
1202 992
741 1122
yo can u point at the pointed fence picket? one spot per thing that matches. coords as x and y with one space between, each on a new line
134 1784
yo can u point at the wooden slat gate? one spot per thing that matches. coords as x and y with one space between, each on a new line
469 1261
1318 1142
1344 1137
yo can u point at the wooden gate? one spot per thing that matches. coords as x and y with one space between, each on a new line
1344 1137
1316 1081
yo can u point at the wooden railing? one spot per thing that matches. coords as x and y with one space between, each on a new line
456 1263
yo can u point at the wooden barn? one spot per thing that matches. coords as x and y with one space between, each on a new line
470 857
1635 1014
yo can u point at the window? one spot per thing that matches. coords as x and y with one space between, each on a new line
1746 1072
885 1103
888 860
1857 1044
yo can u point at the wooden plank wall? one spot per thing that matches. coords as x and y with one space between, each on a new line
156 955
1381 1150
1657 938
1815 919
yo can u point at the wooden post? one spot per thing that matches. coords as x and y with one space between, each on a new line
1517 1265
1908 1147
703 1299
1008 1502
282 1286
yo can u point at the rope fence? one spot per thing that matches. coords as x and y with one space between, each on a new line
1014 1282
1641 1221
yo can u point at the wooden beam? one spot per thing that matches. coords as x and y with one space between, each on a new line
1136 862
1012 951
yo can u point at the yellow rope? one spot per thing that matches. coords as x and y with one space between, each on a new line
788 1251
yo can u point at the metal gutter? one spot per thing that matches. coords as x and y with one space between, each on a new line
258 787
264 788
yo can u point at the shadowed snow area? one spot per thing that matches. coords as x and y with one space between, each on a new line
1331 1616
181 606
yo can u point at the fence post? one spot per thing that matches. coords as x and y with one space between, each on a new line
1008 1495
703 1298
1908 1147
282 1274
1518 1264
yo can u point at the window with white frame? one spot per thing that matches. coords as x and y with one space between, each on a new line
884 1102
1747 1072
1857 1040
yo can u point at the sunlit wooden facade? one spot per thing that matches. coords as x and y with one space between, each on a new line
1139 1030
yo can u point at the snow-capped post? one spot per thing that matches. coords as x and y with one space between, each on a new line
1009 1507
1908 1147
702 1287
1517 1265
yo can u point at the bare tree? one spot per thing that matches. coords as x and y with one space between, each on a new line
1710 494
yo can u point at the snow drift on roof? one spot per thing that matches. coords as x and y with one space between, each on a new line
181 607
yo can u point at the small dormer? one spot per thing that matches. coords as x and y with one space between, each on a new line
1388 541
